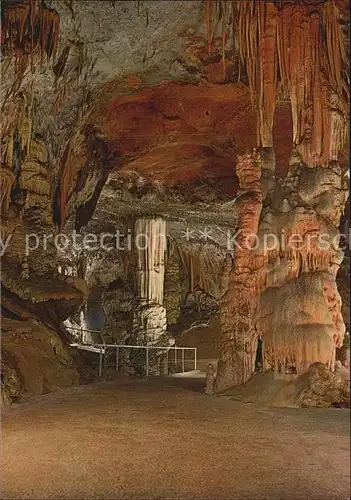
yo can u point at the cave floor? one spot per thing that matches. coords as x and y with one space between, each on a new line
164 439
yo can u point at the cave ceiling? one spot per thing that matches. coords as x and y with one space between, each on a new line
131 90
118 109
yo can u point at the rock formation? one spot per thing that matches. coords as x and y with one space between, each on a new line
36 195
236 364
150 321
322 388
172 284
283 289
34 361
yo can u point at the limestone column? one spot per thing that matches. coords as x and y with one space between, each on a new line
282 288
284 291
150 321
237 357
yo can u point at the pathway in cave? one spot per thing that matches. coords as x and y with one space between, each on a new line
164 439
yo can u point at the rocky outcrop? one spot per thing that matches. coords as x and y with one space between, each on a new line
34 361
322 388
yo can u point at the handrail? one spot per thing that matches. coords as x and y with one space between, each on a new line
82 329
170 347
102 352
85 330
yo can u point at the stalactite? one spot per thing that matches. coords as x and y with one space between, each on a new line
303 44
49 23
311 35
29 25
335 57
15 19
7 180
27 28
65 184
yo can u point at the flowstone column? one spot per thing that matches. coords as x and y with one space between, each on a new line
298 313
284 289
150 321
236 363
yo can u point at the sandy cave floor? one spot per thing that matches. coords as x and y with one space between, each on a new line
163 439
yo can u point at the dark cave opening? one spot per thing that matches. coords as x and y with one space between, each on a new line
259 356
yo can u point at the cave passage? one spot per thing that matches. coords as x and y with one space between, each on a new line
174 240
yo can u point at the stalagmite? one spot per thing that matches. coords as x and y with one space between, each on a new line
150 320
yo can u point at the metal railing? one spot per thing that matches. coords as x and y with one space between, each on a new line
82 331
103 349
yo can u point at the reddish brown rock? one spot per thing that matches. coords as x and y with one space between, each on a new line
237 359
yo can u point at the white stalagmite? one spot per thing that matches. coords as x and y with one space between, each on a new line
150 243
150 248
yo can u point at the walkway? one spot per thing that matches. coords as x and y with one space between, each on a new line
163 439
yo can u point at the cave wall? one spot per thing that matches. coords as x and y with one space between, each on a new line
34 361
172 284
41 119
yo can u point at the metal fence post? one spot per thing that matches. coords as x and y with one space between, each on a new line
183 361
147 361
195 359
175 359
167 350
117 360
100 363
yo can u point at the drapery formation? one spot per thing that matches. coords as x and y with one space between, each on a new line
28 31
28 27
294 49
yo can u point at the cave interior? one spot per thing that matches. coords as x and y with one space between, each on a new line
175 174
